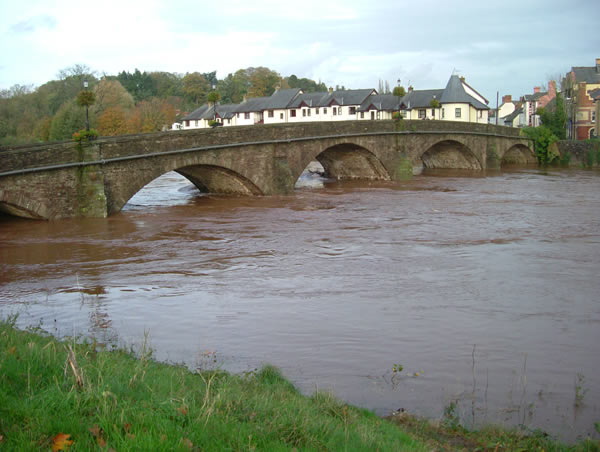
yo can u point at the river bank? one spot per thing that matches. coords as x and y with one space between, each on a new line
74 395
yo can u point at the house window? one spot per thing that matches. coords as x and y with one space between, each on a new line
316 111
593 116
457 113
229 121
352 111
304 112
293 112
334 111
238 115
271 113
481 113
362 115
187 123
247 115
324 111
422 113
280 115
309 112
340 111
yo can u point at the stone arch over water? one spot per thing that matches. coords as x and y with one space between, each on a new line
450 154
518 154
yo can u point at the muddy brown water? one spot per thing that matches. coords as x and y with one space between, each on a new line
485 288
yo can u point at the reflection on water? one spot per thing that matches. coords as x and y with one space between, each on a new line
336 284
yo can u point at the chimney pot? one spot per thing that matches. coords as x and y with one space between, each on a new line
507 98
536 89
597 64
330 89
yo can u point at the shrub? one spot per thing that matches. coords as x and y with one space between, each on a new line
85 135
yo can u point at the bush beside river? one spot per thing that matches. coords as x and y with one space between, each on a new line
73 395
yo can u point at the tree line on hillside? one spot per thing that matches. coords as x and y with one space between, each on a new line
130 102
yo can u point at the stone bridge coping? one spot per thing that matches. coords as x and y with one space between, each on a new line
232 145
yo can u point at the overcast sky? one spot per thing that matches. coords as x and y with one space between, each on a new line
508 46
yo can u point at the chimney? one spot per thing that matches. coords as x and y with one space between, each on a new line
597 64
330 89
536 89
245 99
552 88
506 99
277 88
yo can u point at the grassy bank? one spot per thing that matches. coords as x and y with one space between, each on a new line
63 395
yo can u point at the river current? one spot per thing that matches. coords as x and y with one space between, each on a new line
484 288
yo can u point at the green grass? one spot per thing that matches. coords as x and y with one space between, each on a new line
115 400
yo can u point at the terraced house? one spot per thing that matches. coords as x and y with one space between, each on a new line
457 102
580 87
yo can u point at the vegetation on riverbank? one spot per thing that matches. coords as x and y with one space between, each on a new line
66 395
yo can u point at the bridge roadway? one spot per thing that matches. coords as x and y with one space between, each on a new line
62 180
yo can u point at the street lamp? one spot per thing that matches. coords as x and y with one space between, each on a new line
87 117
399 81
214 87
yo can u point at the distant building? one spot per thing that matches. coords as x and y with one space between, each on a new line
535 101
581 106
457 102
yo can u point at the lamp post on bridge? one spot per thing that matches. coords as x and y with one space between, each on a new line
87 116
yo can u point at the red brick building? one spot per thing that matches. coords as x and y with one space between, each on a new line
579 84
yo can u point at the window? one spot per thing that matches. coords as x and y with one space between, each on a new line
293 112
309 112
247 115
325 111
316 111
238 115
280 115
271 114
362 115
334 111
422 113
433 112
593 116
352 111
196 123
340 111
304 112
481 113
457 113
187 123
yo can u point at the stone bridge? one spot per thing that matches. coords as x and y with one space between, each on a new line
61 180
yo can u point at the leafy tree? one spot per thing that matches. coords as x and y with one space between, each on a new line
399 91
305 84
434 103
542 138
151 116
139 84
214 97
69 119
554 117
113 121
263 81
109 94
167 84
195 88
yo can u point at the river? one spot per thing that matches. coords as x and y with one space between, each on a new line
483 287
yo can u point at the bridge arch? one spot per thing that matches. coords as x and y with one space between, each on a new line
519 154
19 206
450 154
207 178
347 161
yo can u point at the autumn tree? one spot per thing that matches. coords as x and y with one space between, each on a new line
151 116
263 81
195 88
113 121
68 119
110 94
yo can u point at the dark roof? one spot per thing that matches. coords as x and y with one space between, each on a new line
455 93
595 94
253 104
421 98
310 99
586 74
534 96
511 117
382 102
208 112
281 98
347 97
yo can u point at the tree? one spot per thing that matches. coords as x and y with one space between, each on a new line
263 81
109 94
195 88
151 116
542 138
399 91
139 84
554 117
68 119
214 97
113 121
